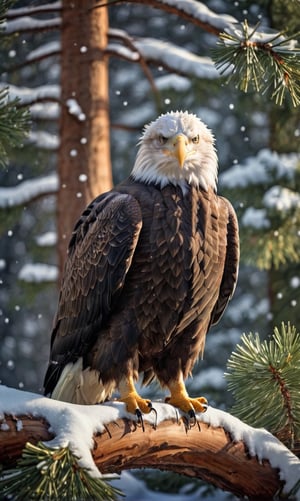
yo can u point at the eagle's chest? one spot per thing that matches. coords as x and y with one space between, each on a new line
167 272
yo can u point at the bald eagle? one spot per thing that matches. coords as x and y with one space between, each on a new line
151 265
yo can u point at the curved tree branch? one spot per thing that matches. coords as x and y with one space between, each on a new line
207 453
212 24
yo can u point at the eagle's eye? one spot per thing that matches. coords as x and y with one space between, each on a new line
162 139
195 139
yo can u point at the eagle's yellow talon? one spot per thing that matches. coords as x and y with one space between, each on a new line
188 404
134 403
199 404
180 398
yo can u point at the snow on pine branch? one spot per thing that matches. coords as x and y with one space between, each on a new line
27 23
176 58
171 56
47 110
45 50
118 50
192 8
260 169
202 13
29 95
256 218
37 273
43 140
27 191
266 168
66 420
281 199
29 10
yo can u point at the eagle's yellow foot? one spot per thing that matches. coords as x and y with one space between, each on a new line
181 399
187 404
135 404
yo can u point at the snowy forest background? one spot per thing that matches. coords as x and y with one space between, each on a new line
258 150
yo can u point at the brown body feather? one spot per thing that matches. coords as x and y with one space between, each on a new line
149 270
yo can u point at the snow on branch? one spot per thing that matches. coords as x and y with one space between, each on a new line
152 50
190 10
28 95
43 140
176 59
21 20
45 50
36 273
260 169
44 101
111 440
27 191
27 23
200 12
29 10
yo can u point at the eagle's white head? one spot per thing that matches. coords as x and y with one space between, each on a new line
177 148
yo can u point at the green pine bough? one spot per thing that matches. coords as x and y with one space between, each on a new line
260 61
14 124
264 379
45 474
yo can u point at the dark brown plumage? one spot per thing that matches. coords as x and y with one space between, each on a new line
151 266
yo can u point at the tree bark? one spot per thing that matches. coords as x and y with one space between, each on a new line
207 453
84 165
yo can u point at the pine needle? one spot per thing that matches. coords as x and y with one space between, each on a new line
259 61
264 379
47 474
14 124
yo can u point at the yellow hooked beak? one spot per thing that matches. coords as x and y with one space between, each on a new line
180 151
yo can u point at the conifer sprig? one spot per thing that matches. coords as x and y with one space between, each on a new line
264 379
4 6
260 61
14 124
47 474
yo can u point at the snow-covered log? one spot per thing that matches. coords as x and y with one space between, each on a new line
218 448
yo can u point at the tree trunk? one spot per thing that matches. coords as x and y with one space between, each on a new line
206 452
84 155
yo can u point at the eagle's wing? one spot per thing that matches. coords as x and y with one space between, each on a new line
99 256
230 273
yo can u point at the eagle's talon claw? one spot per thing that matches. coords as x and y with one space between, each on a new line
187 422
192 414
191 419
138 413
155 412
140 419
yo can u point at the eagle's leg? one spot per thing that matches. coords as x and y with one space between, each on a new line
135 404
180 398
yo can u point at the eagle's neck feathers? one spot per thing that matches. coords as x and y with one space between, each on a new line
150 168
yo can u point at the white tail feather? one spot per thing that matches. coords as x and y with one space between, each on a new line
80 386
